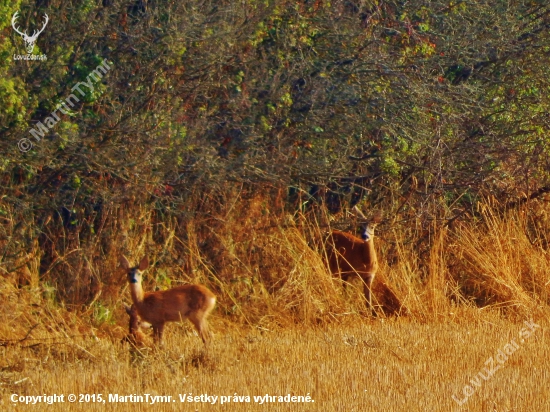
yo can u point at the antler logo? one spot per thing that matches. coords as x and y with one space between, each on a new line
30 41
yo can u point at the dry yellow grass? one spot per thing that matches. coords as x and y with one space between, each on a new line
284 326
357 365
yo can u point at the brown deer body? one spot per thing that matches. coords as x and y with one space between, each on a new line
193 302
350 256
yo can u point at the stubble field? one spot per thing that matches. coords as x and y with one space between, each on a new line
357 365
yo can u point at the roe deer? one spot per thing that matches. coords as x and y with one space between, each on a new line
193 302
349 256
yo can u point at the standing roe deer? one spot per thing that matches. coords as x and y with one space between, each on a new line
193 302
349 256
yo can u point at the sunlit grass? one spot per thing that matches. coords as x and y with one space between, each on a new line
357 365
283 327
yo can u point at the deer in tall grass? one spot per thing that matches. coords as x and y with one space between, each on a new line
350 256
193 302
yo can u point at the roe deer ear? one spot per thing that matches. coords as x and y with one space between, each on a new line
144 264
358 212
124 262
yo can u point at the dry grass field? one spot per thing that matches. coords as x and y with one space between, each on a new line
357 365
471 333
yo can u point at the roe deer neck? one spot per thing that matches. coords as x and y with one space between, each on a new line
370 254
137 293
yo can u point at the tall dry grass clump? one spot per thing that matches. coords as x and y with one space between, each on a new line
265 263
268 266
501 260
414 276
495 259
309 291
